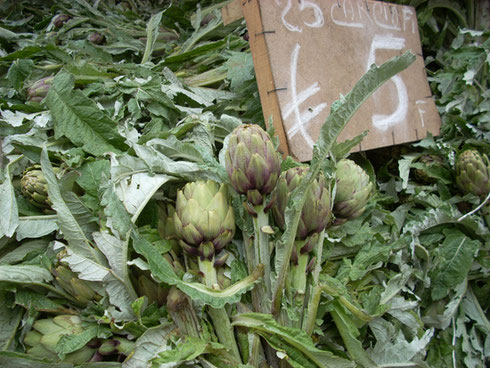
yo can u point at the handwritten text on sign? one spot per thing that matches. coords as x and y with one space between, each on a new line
319 50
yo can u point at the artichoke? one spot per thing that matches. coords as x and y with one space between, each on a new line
473 173
35 188
252 163
203 216
60 19
96 38
353 191
41 341
315 214
39 89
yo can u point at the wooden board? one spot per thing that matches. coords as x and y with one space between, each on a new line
307 53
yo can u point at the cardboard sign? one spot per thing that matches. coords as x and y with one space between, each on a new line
307 53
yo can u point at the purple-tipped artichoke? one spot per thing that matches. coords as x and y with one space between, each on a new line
473 173
203 216
252 163
96 38
315 214
39 89
60 19
353 191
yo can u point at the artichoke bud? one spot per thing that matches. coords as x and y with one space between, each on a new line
81 290
96 38
315 214
41 341
60 19
204 220
473 173
252 163
39 89
353 191
34 187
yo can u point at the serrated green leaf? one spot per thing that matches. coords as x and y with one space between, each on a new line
72 230
36 226
19 71
150 344
26 249
24 274
41 303
152 29
350 334
10 316
266 326
163 271
80 120
9 219
456 253
91 174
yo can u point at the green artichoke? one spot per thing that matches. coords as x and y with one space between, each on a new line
353 191
83 291
203 216
39 89
473 173
41 341
35 188
315 215
252 163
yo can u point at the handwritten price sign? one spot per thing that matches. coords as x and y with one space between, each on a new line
307 53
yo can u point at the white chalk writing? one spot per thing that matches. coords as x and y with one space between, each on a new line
350 13
301 119
380 121
303 4
418 103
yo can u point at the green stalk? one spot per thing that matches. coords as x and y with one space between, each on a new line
220 318
313 309
299 283
262 252
316 293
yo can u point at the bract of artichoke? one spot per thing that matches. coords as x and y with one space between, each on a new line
252 162
316 211
203 216
352 191
473 173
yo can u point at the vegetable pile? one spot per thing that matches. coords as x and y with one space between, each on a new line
148 219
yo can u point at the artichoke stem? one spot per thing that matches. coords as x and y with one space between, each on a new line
299 283
313 309
262 250
221 321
